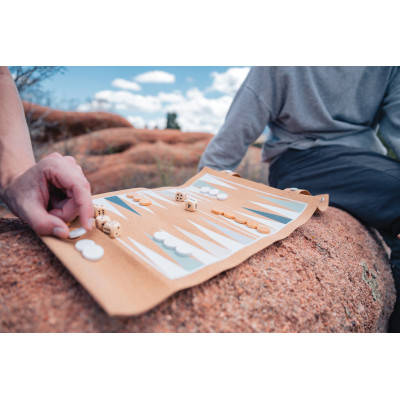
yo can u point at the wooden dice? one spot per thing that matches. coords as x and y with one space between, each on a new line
112 229
180 196
99 209
191 205
101 220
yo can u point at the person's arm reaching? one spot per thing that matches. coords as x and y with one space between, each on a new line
244 123
48 193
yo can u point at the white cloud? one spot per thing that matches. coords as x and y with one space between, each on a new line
121 107
228 82
137 122
155 77
194 93
131 101
140 123
175 97
160 123
124 84
95 105
122 100
196 112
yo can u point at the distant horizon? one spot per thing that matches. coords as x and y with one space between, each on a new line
201 96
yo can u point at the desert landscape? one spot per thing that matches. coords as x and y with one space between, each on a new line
114 155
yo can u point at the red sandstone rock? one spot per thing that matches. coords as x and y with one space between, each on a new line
330 275
56 124
121 158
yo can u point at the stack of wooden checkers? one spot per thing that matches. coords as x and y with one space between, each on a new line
140 200
241 220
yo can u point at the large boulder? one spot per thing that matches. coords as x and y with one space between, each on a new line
47 124
330 275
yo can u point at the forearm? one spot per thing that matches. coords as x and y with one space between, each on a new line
244 123
225 151
16 154
390 118
26 186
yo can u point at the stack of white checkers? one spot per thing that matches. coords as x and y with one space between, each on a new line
89 249
213 192
172 244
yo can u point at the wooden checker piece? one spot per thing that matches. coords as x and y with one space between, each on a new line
145 202
218 212
252 224
263 229
228 215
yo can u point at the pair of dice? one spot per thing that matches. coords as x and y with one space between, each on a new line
190 204
104 222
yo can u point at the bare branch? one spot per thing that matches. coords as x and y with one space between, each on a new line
28 77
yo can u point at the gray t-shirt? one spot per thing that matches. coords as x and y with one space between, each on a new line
306 107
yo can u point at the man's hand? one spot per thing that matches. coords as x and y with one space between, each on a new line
50 193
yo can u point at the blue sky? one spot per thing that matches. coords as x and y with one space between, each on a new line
201 96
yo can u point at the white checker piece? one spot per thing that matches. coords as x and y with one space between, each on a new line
93 252
205 189
81 244
160 236
77 232
170 243
214 192
184 251
222 196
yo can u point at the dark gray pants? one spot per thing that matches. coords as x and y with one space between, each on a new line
365 184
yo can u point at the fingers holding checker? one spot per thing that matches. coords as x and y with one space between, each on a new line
64 174
50 194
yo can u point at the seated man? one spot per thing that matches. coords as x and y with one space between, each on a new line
46 194
324 123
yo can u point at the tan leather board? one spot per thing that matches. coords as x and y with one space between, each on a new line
137 272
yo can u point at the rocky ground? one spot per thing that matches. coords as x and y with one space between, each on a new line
330 275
